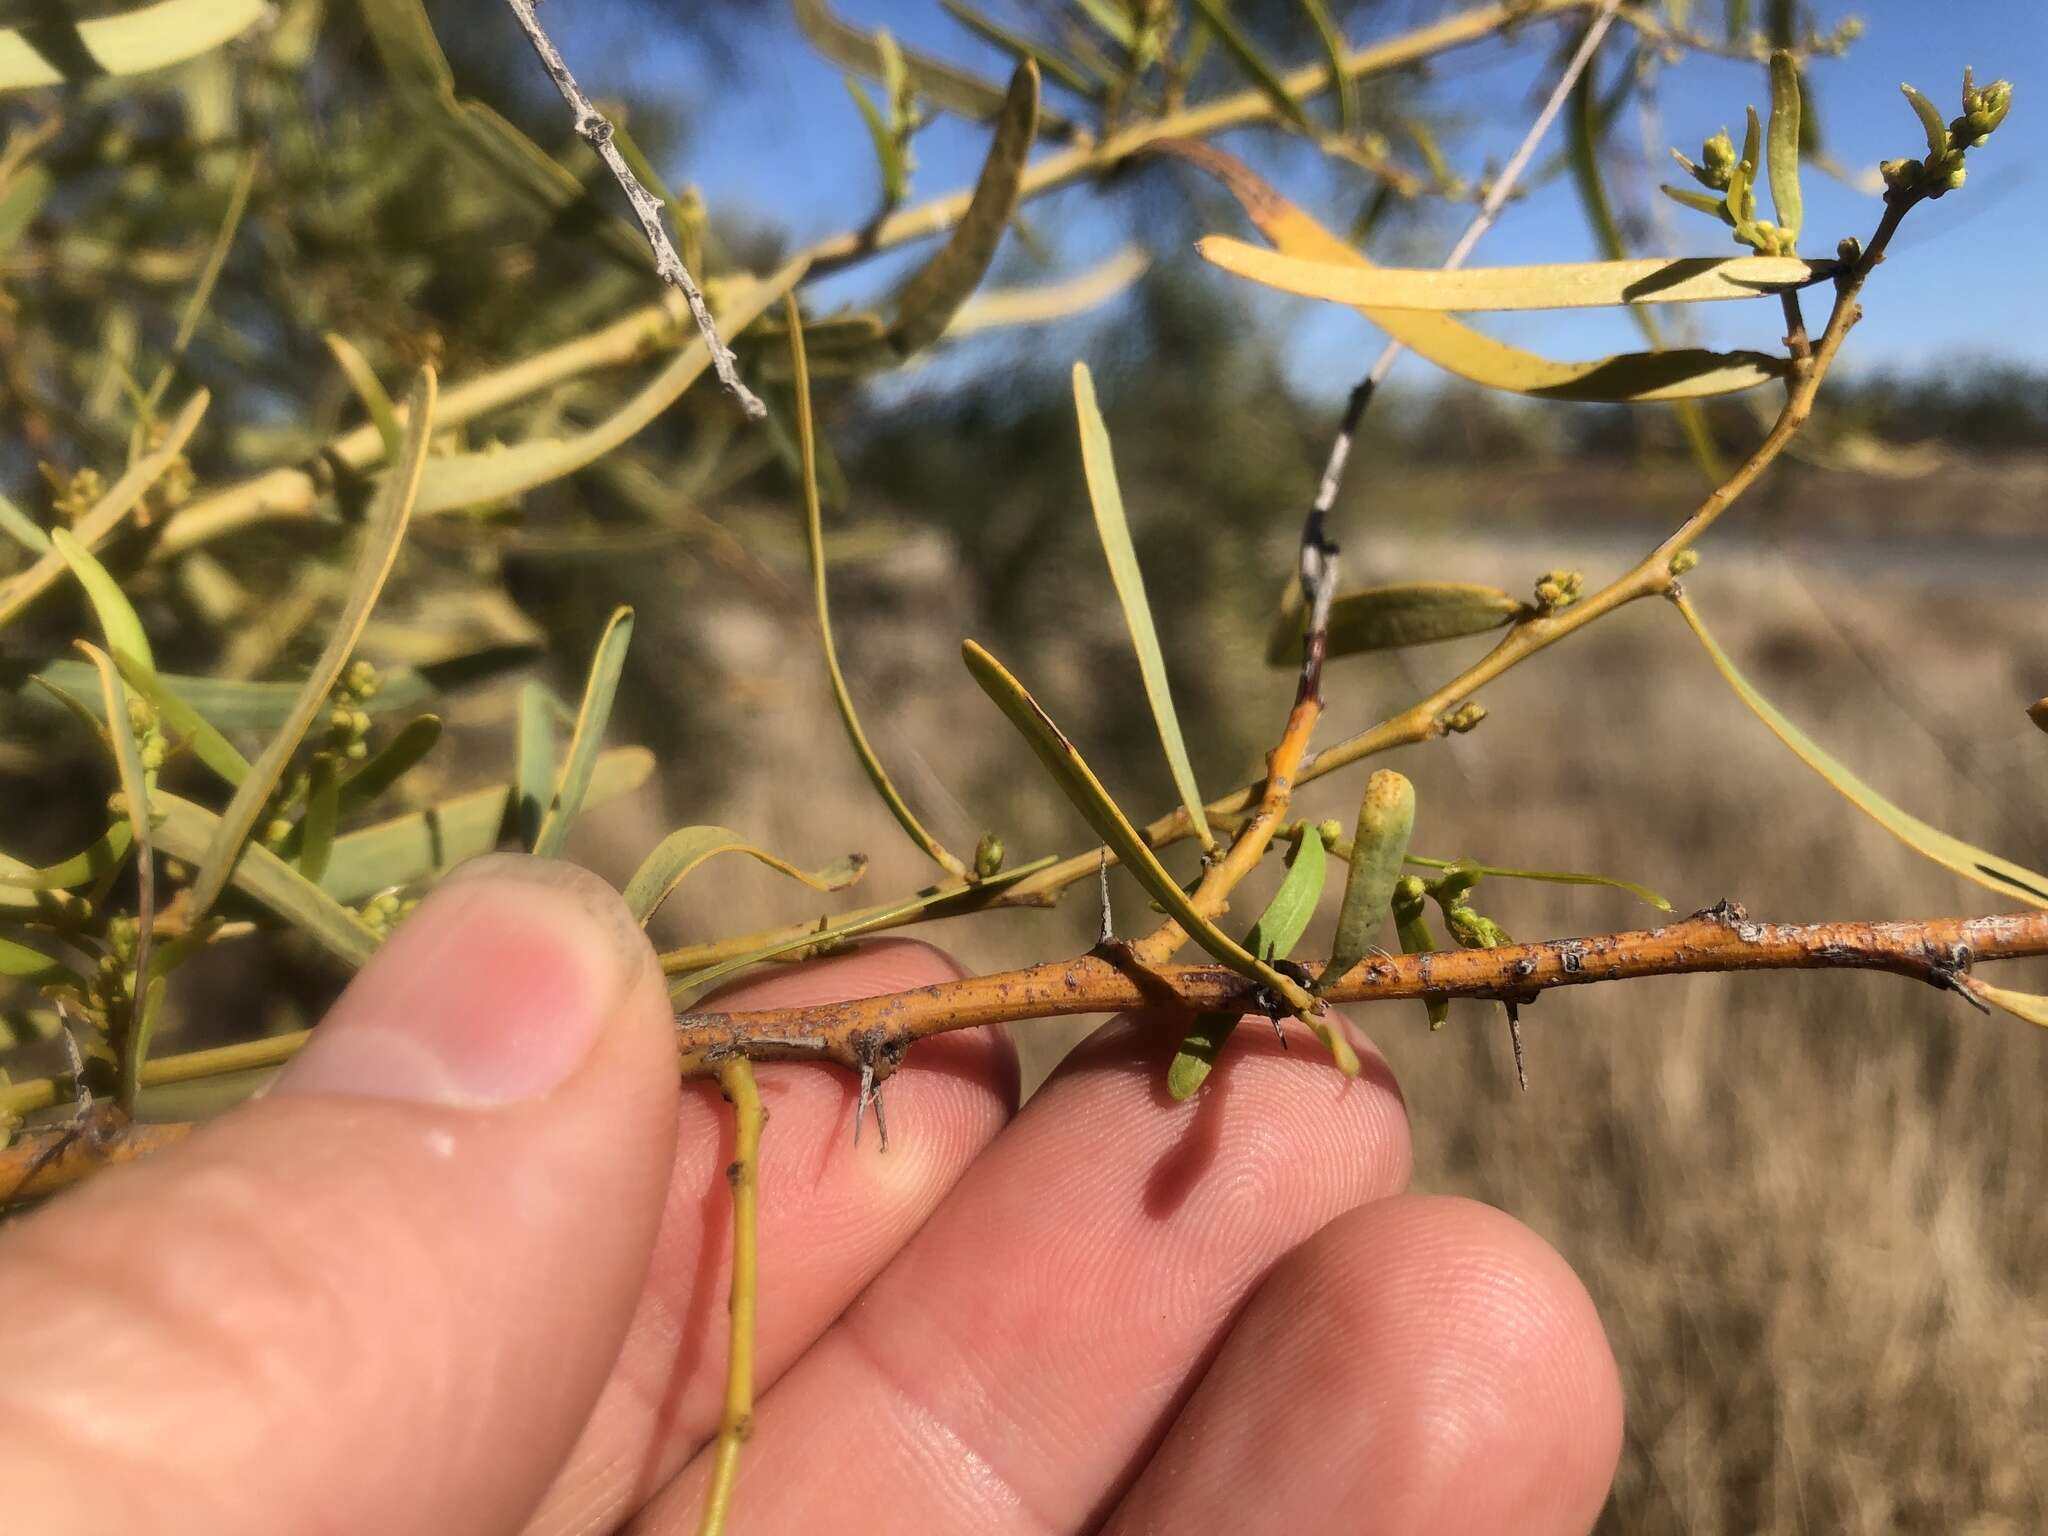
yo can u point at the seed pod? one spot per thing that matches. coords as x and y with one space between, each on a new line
1386 818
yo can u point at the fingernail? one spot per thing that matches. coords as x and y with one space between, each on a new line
493 991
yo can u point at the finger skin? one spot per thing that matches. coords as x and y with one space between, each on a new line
1422 1365
335 1312
1012 1369
831 1215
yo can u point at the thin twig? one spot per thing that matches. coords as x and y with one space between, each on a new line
596 129
736 1422
1489 210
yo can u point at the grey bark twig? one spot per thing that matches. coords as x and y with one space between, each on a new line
596 129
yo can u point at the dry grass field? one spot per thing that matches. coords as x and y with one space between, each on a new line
1808 1206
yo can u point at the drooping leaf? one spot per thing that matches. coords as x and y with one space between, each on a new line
931 297
118 620
1452 345
1386 819
1411 924
362 378
130 42
1783 154
1273 937
467 479
91 530
426 844
1567 285
586 737
814 532
1256 67
1986 869
1078 782
1388 618
187 831
382 536
23 529
682 851
1113 529
88 864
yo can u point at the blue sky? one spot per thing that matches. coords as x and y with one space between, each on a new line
776 139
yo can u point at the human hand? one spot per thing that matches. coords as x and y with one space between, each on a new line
461 1270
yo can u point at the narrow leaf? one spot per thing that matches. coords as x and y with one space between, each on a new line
682 851
536 754
187 831
132 42
1386 818
1411 924
1335 55
1450 344
466 479
1701 201
1042 303
930 299
362 378
1388 618
2021 1005
1257 69
23 529
814 531
183 721
942 85
88 864
426 844
20 963
1567 285
1021 47
133 1036
1930 120
1080 785
1784 145
323 811
117 616
586 737
1641 893
1273 937
888 148
386 531
1113 529
1986 869
383 768
933 900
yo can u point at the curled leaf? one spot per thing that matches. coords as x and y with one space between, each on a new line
1566 285
682 851
1452 345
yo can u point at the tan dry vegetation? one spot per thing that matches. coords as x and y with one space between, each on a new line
1807 1205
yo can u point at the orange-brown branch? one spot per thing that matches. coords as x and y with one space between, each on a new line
875 1032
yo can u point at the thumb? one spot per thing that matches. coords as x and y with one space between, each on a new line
384 1296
